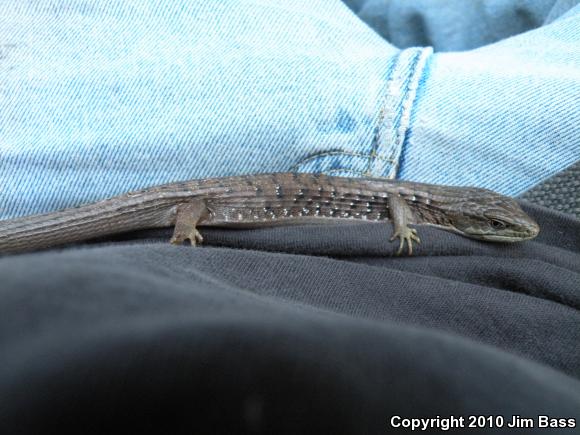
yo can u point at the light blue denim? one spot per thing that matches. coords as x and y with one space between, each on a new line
100 97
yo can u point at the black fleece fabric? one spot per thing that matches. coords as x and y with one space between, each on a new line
291 330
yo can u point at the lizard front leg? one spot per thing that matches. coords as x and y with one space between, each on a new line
401 216
188 216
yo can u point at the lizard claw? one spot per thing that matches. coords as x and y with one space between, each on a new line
187 217
408 235
197 238
193 236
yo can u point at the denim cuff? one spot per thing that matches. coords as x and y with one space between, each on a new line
504 116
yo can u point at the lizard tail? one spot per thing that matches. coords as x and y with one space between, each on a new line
111 216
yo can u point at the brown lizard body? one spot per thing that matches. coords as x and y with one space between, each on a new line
277 199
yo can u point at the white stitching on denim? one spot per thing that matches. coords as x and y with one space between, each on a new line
400 117
336 153
389 133
352 171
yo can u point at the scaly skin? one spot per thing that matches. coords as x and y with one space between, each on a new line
278 199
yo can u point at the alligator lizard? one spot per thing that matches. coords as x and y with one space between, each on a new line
280 198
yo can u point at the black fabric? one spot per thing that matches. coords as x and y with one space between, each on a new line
560 192
295 330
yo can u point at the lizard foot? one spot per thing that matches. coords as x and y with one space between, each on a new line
193 236
187 217
406 234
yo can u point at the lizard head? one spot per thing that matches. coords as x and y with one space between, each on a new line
486 215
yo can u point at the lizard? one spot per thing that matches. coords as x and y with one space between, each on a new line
278 199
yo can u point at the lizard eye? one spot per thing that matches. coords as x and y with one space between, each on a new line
497 224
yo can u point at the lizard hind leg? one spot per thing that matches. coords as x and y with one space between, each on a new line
188 216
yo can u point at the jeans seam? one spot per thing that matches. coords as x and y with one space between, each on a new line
394 116
391 121
338 153
342 170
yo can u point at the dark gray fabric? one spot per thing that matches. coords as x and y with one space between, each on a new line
560 192
300 330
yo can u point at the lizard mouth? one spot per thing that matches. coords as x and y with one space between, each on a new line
514 237
506 238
